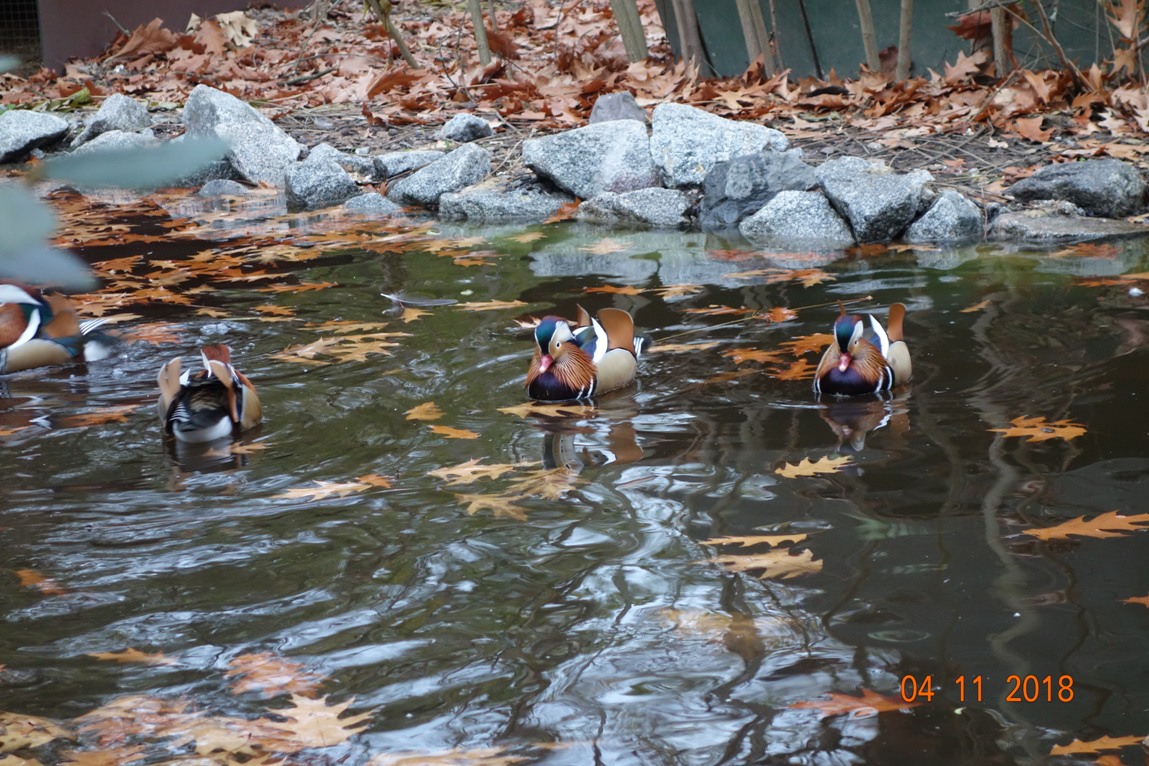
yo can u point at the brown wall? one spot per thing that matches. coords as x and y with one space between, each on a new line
80 28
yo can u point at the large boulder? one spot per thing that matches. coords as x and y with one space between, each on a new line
1107 188
878 203
645 208
113 140
467 165
605 157
951 218
804 217
740 187
21 131
259 151
686 142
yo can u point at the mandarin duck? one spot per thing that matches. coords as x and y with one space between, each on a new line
576 360
853 365
210 404
39 329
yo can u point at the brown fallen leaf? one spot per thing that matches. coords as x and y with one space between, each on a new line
131 655
799 370
1096 745
113 414
490 305
870 703
453 433
1105 525
761 355
500 505
271 675
1038 430
425 411
615 290
472 470
30 578
1142 600
806 468
484 756
780 562
410 314
679 348
807 343
314 723
977 306
20 732
747 541
604 246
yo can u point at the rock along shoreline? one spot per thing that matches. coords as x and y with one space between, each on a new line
679 168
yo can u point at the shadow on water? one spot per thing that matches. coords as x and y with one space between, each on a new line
590 583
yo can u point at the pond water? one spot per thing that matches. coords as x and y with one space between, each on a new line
488 583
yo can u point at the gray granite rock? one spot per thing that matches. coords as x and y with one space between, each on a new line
878 203
464 128
609 156
373 203
496 202
259 150
740 187
361 167
318 184
1059 223
797 216
118 112
1109 188
686 142
113 140
22 130
222 188
617 106
394 163
646 208
467 165
951 218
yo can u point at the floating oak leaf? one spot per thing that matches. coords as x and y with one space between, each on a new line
410 314
470 471
113 414
747 541
1078 746
484 756
131 655
490 305
325 489
679 348
615 290
740 355
780 563
314 723
870 703
1038 430
549 409
425 411
977 306
807 468
20 732
30 578
1105 525
1142 600
799 370
807 343
453 433
500 505
272 675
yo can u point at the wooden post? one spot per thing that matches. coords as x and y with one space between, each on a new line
630 26
869 37
905 33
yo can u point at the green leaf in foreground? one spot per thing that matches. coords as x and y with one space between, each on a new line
25 255
135 168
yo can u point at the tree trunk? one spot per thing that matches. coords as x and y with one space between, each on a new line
630 26
484 47
382 11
